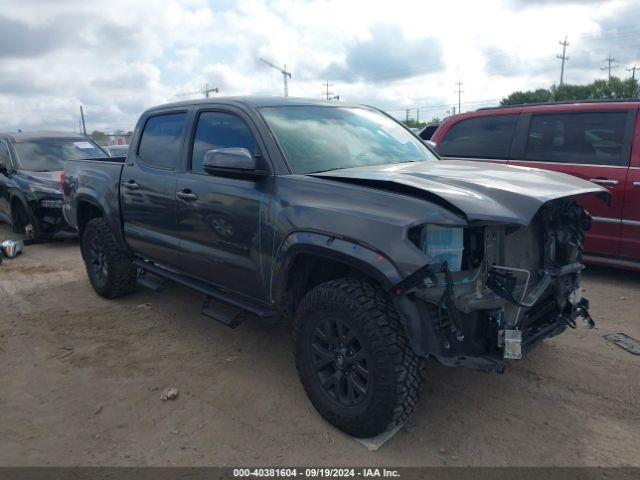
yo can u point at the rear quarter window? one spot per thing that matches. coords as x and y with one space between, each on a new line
161 140
480 137
594 138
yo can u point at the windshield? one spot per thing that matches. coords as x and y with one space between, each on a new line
49 155
317 139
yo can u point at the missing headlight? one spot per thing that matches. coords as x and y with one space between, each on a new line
444 244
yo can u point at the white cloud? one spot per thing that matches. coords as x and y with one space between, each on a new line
119 57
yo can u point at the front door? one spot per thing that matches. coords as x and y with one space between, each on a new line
594 146
148 189
630 239
219 218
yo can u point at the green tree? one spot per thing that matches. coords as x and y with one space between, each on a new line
99 137
411 123
612 89
532 96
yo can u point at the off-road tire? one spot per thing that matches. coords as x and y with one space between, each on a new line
119 275
395 372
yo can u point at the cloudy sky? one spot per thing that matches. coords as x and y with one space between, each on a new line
119 57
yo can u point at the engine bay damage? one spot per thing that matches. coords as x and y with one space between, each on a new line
499 291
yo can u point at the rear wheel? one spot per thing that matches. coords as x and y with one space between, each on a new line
109 267
354 359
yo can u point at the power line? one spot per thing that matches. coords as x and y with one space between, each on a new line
564 58
610 60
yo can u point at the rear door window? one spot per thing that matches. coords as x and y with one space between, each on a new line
161 140
480 137
595 138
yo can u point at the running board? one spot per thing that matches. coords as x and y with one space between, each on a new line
150 283
231 321
245 305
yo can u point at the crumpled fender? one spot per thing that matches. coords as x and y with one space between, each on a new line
359 256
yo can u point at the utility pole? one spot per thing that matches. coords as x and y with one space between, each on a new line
326 89
84 127
407 116
285 74
563 57
208 90
633 71
417 115
459 91
610 60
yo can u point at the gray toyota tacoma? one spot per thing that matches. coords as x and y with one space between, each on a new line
340 219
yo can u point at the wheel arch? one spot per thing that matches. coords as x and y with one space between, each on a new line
306 259
86 210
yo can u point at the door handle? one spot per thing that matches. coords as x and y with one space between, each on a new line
186 195
636 184
131 184
604 181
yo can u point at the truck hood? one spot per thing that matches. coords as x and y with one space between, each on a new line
44 179
478 191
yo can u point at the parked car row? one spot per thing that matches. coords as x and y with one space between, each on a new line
596 141
30 168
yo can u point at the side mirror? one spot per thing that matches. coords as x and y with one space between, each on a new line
433 145
235 162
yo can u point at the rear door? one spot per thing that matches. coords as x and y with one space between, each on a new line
593 145
148 188
484 138
219 218
630 237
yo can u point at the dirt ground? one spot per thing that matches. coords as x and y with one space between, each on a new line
81 378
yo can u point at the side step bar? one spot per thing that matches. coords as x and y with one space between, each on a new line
231 321
210 292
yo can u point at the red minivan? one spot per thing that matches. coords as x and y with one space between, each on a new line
595 140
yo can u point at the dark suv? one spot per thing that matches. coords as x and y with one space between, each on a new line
598 141
30 191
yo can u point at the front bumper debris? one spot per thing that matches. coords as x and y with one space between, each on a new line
524 288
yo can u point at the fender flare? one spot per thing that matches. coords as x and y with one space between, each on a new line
361 257
116 228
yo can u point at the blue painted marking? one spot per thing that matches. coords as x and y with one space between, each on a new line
273 248
260 236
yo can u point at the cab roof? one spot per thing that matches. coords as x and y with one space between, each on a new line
252 102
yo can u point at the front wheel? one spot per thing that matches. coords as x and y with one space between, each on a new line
354 359
109 267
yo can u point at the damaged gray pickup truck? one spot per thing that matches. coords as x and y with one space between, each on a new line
338 218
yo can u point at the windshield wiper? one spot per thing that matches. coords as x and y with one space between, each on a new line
327 170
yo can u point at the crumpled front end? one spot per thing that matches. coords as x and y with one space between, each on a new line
495 290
